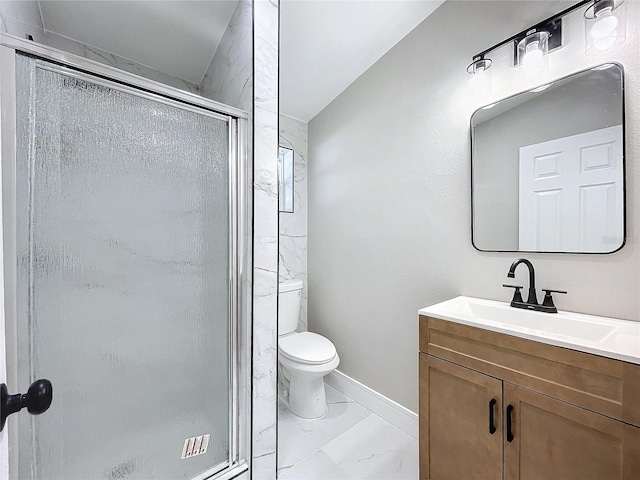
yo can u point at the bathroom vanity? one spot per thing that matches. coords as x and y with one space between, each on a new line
527 395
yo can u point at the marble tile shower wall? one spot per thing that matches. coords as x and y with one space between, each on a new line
293 226
22 18
265 230
229 80
97 55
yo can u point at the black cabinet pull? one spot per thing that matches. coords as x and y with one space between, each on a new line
492 425
509 428
37 400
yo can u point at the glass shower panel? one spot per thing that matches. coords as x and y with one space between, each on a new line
123 278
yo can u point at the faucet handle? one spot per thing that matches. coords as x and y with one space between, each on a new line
548 299
517 296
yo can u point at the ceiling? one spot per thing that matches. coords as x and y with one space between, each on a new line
326 45
174 37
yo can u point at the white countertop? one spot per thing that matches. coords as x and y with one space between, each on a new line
604 336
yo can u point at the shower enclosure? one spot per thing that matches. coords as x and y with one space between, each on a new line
123 206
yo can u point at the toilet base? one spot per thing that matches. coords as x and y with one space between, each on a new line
307 397
302 387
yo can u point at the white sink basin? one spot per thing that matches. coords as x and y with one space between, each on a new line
555 323
605 336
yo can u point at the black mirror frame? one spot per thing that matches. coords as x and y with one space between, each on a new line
624 168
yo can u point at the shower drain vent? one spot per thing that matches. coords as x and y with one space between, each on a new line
195 446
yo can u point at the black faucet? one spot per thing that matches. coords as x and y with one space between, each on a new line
532 301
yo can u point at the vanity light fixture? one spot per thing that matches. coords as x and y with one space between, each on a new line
479 82
604 25
532 53
479 65
531 46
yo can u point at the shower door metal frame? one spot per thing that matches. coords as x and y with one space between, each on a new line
240 181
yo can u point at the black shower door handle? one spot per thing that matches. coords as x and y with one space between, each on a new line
37 400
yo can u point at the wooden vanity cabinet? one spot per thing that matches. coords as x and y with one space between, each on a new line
532 431
457 431
556 440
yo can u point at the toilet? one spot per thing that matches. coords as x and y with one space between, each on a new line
304 358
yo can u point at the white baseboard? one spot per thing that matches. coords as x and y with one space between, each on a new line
391 411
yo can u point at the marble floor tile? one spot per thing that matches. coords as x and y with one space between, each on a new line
293 445
374 449
349 442
284 415
339 418
317 467
334 396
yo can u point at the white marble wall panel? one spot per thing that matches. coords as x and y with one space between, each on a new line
244 73
21 18
229 77
92 53
293 226
293 264
265 228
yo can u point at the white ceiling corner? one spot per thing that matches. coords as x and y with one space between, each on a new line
174 37
326 45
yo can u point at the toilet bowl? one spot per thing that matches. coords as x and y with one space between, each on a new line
304 358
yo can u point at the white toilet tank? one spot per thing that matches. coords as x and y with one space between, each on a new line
289 294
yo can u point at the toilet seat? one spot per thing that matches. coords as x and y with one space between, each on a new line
306 347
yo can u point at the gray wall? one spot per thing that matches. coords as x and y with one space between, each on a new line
389 196
560 111
292 246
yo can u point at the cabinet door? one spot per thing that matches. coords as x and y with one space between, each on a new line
457 440
551 439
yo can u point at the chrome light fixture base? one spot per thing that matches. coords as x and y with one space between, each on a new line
552 27
479 65
599 6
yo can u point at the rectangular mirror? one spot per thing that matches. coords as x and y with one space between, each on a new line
548 167
285 179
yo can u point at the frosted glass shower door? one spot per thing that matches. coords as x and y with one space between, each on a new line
123 278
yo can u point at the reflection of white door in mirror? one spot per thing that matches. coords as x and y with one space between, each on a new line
571 193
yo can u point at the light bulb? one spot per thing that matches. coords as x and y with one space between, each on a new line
480 84
604 26
532 54
479 81
533 57
604 44
533 60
